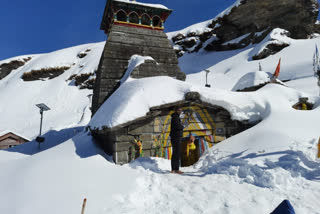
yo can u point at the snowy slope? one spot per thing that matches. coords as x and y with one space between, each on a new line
69 105
227 67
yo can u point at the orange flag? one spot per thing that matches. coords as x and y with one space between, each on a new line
277 72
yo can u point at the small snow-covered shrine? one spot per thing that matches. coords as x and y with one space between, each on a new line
148 136
133 28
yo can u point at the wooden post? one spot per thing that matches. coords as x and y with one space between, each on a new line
319 148
84 205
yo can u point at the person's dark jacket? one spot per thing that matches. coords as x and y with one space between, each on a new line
176 126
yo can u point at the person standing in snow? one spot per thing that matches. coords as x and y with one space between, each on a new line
176 134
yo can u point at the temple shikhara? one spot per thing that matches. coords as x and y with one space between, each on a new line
133 28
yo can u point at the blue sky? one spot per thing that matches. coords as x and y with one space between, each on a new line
39 26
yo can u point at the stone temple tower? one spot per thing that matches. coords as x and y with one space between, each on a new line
133 28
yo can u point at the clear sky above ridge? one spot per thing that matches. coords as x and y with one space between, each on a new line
38 26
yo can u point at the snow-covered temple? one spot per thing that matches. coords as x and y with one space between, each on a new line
134 120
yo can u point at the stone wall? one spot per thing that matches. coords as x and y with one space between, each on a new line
122 43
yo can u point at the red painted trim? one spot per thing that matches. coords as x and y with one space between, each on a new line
137 26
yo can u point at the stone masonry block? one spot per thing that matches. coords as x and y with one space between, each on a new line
122 146
146 137
147 153
121 157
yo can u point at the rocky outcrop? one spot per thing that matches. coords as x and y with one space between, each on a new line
276 40
249 22
270 49
6 68
83 81
298 17
44 73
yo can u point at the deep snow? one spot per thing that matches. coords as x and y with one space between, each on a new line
248 173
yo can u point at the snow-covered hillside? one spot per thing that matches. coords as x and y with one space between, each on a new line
69 105
251 172
227 67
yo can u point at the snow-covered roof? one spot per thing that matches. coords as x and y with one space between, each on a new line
144 4
135 97
134 62
2 133
252 79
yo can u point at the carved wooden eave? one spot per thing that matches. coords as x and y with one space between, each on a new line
112 6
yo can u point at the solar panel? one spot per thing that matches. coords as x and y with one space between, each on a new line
43 107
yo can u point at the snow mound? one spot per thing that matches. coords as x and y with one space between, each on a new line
134 62
252 79
259 164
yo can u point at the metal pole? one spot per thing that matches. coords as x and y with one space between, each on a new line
207 72
41 113
207 77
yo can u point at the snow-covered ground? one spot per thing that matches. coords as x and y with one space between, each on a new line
254 170
251 172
